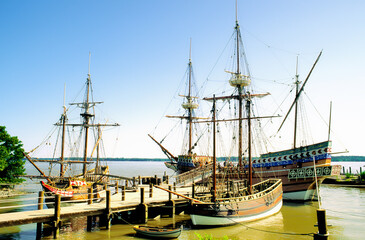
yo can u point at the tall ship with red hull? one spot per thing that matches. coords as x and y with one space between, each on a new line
75 187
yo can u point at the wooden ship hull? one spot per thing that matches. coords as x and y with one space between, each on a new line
265 201
295 168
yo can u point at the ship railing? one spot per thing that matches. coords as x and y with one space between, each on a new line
264 188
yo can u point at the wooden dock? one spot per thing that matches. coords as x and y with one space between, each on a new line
132 200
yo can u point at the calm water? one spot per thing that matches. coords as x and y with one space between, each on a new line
345 209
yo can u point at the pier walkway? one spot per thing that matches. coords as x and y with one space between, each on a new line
131 202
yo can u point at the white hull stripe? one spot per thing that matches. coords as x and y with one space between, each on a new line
215 221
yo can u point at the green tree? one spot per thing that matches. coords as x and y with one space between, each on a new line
11 158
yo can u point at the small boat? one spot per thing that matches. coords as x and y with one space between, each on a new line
158 232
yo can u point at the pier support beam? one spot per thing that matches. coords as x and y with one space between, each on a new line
105 218
57 214
90 218
40 207
142 210
171 208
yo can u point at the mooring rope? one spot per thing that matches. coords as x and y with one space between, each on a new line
274 232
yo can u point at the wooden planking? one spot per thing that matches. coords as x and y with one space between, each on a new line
132 200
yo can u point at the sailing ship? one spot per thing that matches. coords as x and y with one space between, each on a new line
76 188
297 167
235 200
188 160
300 166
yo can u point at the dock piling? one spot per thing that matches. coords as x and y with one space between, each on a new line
142 195
175 189
57 214
170 194
193 190
123 193
106 217
89 218
40 207
151 190
116 187
142 209
322 225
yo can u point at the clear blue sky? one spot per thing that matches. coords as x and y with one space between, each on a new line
140 51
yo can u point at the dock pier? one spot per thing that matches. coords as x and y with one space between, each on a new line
122 206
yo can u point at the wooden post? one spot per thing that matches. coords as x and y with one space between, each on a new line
170 194
142 195
90 196
156 182
142 213
89 201
322 225
360 174
123 193
175 189
134 182
126 184
116 187
167 179
171 212
193 190
105 186
142 209
139 180
151 190
57 214
40 207
108 209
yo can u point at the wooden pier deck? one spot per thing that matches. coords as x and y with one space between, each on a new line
131 202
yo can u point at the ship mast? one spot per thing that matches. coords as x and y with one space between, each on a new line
63 117
248 106
190 152
239 81
239 88
214 154
189 105
296 105
86 115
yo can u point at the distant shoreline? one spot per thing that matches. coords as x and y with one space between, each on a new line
233 159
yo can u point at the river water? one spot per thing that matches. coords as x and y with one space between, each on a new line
345 209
